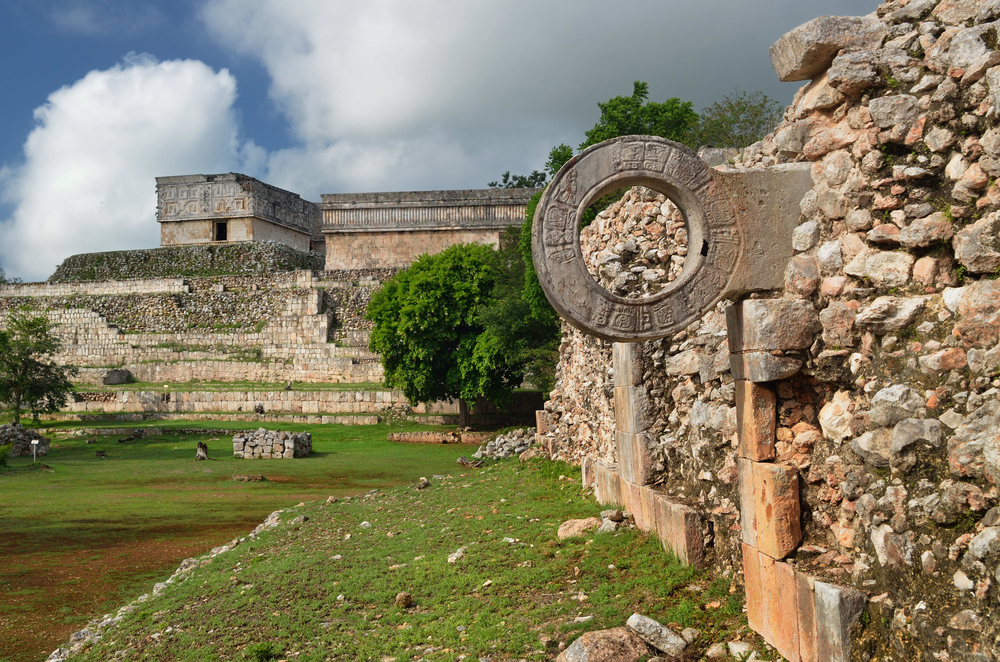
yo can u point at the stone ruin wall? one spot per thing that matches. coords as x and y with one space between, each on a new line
274 327
892 307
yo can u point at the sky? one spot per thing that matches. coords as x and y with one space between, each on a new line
330 96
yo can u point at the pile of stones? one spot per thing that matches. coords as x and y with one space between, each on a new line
504 446
21 440
637 245
271 444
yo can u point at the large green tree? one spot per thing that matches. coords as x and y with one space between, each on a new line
429 331
29 380
738 120
635 115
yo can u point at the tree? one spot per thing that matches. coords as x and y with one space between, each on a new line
738 120
626 116
4 279
534 180
428 328
27 379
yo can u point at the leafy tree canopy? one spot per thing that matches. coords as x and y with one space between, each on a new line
428 328
507 180
28 380
738 120
625 116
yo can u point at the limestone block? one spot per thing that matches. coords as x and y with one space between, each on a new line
755 418
776 509
748 520
762 367
626 360
632 495
543 421
808 50
778 584
608 484
771 324
631 409
635 464
679 528
806 609
757 600
836 609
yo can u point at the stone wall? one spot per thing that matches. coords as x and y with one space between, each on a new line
397 249
271 444
859 402
271 328
245 258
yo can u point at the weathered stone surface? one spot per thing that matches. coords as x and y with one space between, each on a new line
757 600
626 360
577 527
614 645
974 450
805 236
657 635
894 109
772 324
631 408
986 543
895 403
679 528
748 516
926 231
115 377
979 309
977 246
802 275
755 418
758 366
634 461
956 12
835 417
830 257
914 10
884 268
854 72
808 49
887 314
837 608
779 585
776 509
608 484
944 360
874 447
838 323
908 432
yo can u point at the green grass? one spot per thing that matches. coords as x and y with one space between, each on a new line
91 533
287 594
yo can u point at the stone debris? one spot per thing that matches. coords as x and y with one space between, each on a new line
20 440
577 527
456 555
403 599
614 645
657 635
507 445
271 444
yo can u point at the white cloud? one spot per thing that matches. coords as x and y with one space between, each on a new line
386 95
87 180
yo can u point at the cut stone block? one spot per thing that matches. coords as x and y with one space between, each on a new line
836 608
748 522
773 324
783 624
608 484
647 508
543 421
760 367
807 617
758 600
635 464
632 495
755 419
626 359
808 50
587 472
631 409
776 509
679 529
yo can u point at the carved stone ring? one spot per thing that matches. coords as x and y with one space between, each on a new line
731 249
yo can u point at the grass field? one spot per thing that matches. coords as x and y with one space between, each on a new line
84 535
321 584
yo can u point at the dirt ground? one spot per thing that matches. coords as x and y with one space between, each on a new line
50 593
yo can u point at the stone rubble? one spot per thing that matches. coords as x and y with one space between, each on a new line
507 445
271 444
20 440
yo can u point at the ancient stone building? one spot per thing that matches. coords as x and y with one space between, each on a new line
357 230
232 208
389 230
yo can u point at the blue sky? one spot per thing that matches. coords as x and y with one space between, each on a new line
327 96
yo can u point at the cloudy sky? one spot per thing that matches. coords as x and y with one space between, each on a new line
328 96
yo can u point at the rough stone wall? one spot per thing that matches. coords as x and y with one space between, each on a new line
892 423
246 258
270 327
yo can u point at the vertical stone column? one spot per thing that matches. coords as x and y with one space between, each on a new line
806 620
631 414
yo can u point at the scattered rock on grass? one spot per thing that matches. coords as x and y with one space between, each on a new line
404 599
614 645
577 527
657 635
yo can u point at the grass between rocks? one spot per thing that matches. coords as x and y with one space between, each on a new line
321 585
82 535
